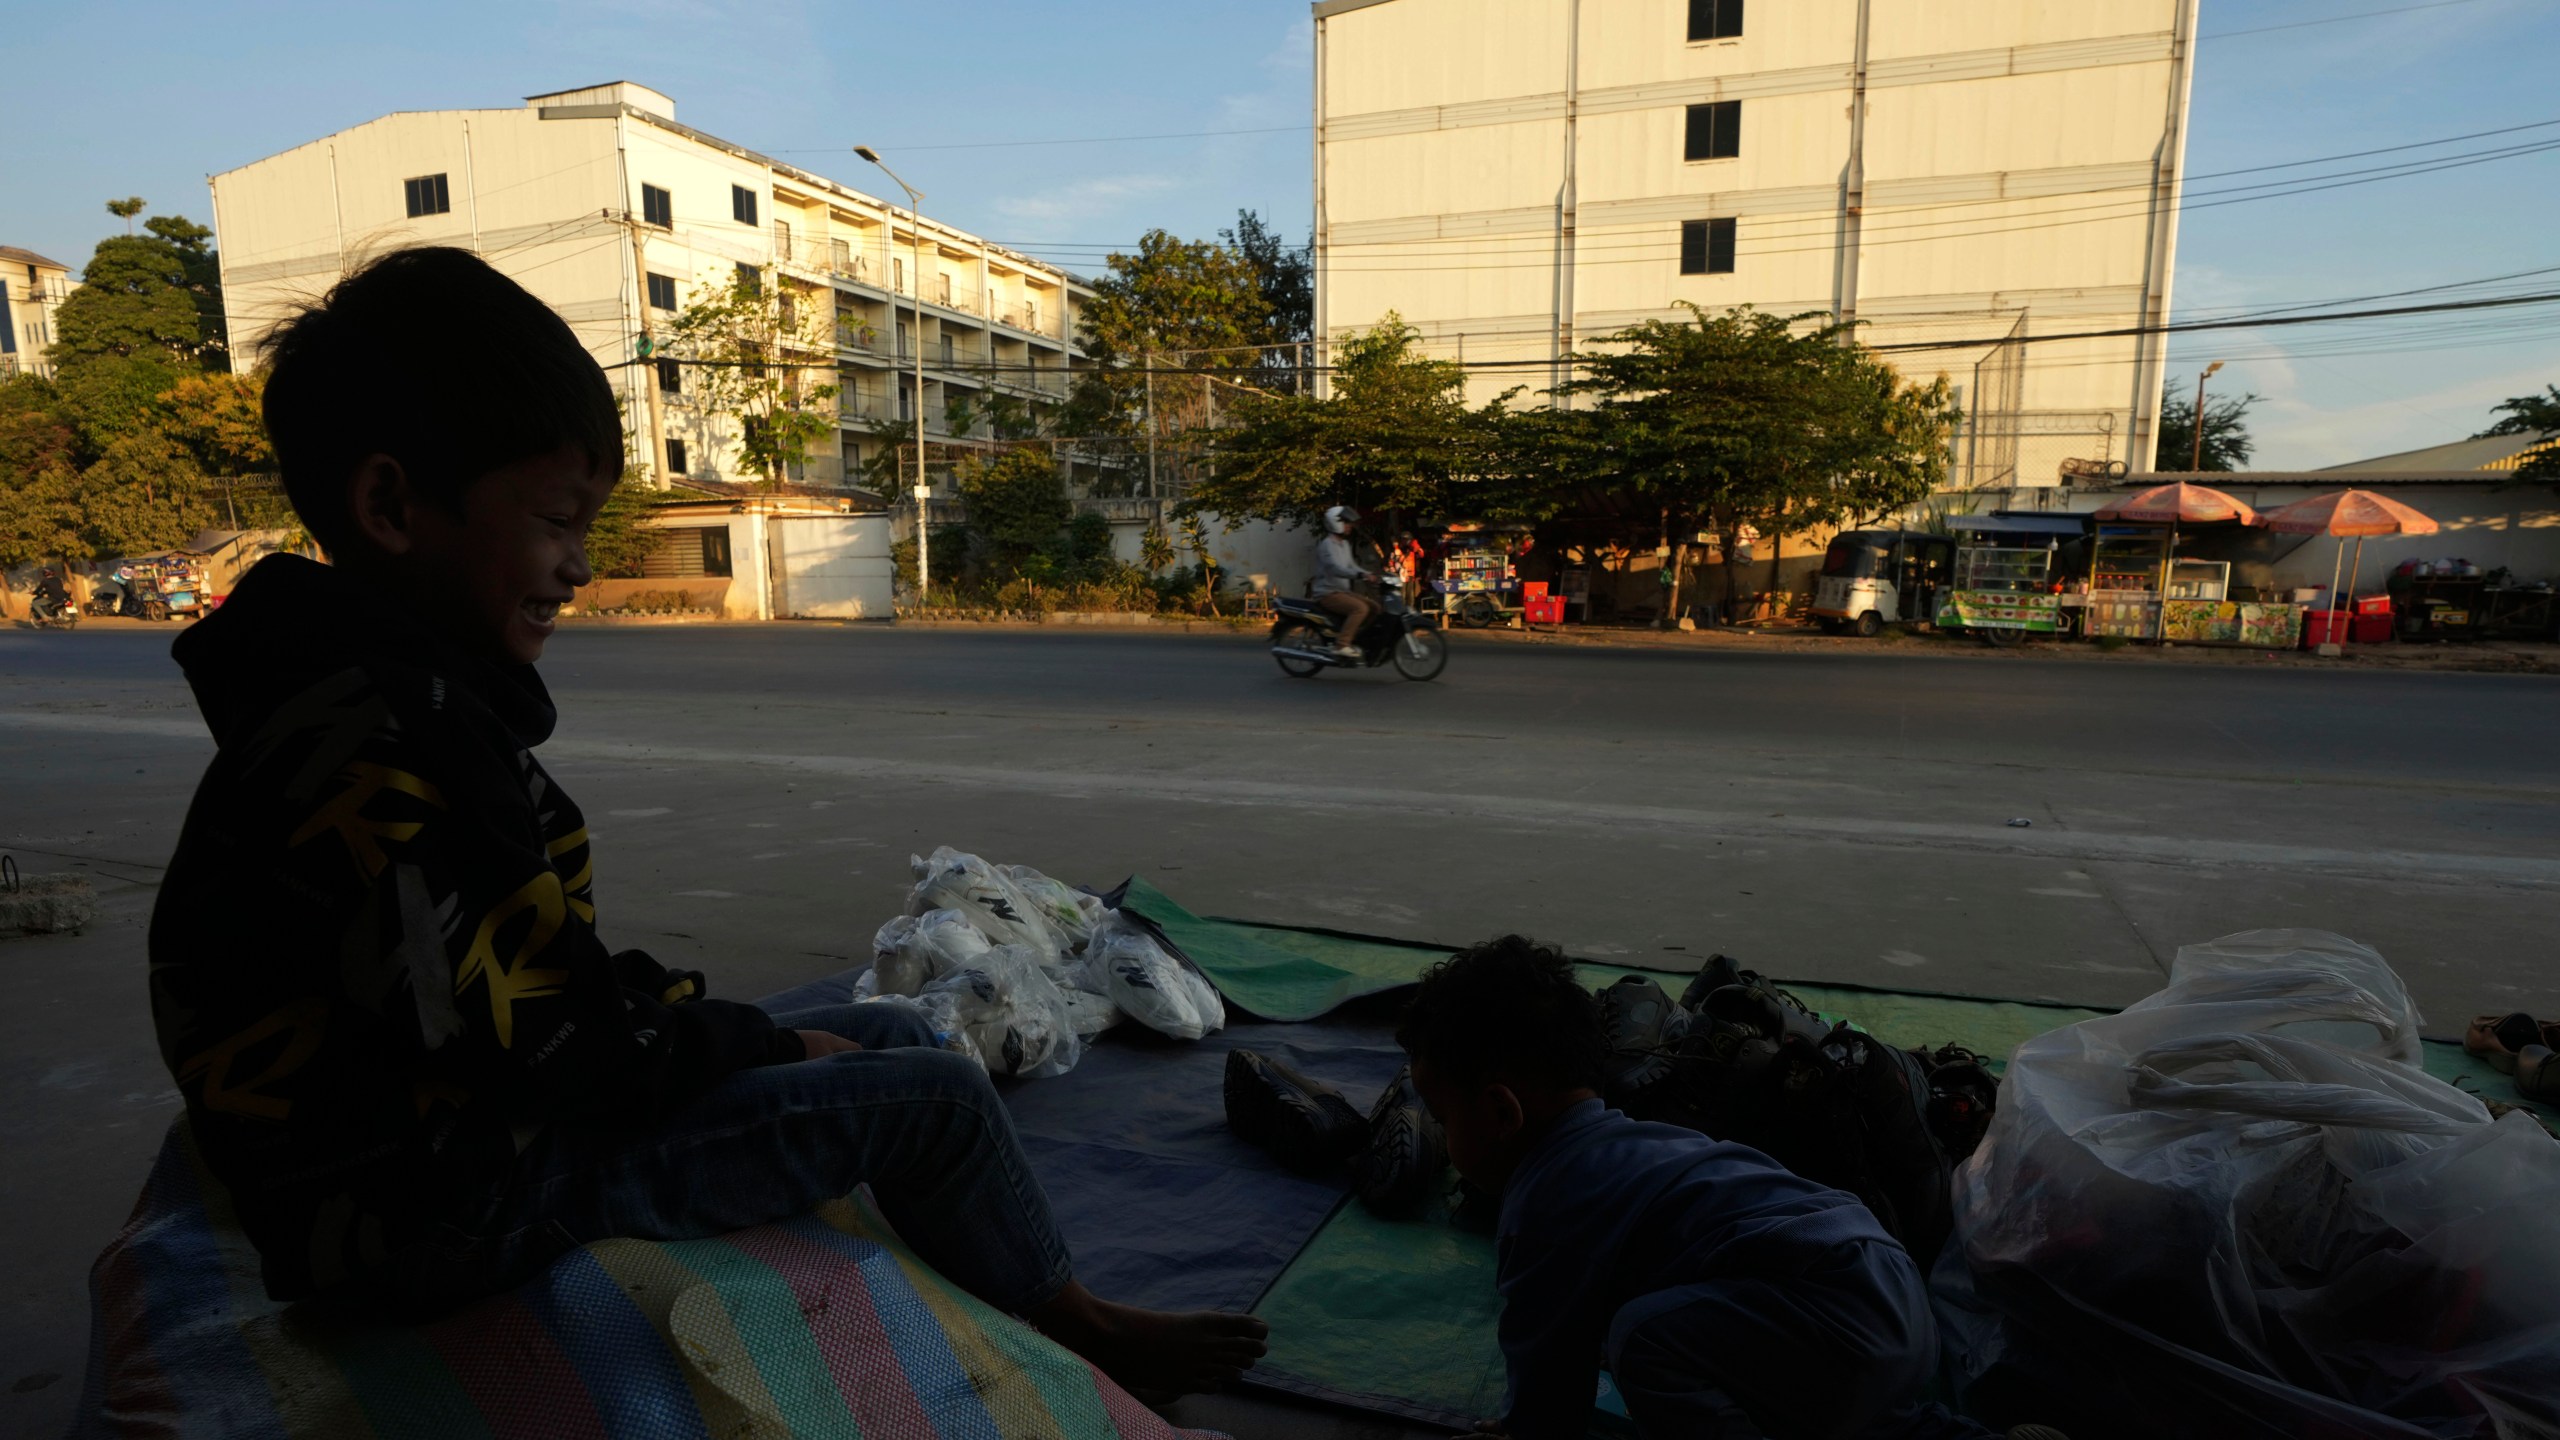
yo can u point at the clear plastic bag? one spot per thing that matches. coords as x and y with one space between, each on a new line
2233 1209
1150 984
1015 1018
912 951
1068 912
954 880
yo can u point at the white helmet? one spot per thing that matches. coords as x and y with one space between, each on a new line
1340 519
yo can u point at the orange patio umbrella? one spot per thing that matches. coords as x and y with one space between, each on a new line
2175 504
2349 512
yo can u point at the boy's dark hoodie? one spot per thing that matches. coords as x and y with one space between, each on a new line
374 963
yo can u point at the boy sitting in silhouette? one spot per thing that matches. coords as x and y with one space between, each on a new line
1727 1296
375 966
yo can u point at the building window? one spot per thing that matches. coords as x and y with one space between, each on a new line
687 552
742 204
671 377
750 279
946 352
675 458
1706 247
904 339
945 278
657 207
427 196
662 291
906 399
1715 131
1715 19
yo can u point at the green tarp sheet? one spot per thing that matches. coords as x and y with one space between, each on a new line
1400 1316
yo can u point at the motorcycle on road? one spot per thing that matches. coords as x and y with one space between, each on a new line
1302 640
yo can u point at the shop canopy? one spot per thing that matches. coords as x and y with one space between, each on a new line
2020 524
2179 503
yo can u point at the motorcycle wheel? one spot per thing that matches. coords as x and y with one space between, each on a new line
155 609
1298 637
1432 659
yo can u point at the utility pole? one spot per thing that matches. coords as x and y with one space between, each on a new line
924 492
2196 462
1149 358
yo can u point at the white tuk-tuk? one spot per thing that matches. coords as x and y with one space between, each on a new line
1874 578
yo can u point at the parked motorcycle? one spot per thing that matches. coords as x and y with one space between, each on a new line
1302 640
122 594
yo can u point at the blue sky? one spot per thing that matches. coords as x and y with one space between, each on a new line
185 90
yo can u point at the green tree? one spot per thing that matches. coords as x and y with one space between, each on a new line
760 350
156 295
1746 419
2226 430
1017 504
1395 435
126 208
617 542
2532 415
1162 329
1282 272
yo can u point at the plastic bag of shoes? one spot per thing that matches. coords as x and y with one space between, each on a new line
1641 1023
913 951
1015 1019
1305 1125
1154 987
1069 913
1962 1099
1399 1170
954 880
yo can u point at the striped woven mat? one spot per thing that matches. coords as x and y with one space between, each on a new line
820 1326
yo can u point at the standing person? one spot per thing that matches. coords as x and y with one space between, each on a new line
376 971
1338 575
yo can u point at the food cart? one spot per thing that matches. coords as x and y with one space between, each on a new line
2141 588
1479 581
2009 576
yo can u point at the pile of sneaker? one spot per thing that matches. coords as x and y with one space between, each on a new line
1397 1155
1019 971
1738 1058
2519 1045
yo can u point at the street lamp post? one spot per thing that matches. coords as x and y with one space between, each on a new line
915 277
2195 462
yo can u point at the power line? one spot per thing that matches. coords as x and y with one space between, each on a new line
1087 140
2335 19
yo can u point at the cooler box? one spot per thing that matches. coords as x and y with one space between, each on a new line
2323 627
1533 590
2372 605
2371 629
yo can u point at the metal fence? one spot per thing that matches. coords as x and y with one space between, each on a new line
1991 427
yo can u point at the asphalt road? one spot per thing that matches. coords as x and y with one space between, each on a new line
755 793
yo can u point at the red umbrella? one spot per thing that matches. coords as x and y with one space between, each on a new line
2180 504
2349 512
2175 504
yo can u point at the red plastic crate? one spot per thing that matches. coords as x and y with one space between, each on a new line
2323 627
1543 609
2371 629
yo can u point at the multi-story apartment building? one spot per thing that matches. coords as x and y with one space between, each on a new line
1519 177
31 288
599 202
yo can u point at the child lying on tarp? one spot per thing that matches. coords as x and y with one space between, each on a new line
376 968
1726 1295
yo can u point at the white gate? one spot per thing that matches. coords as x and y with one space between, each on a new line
833 567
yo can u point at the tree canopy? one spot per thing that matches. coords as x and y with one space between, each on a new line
2531 415
759 351
2227 445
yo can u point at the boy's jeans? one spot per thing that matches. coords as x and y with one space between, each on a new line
922 1126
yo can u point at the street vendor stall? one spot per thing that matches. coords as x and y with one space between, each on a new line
2009 576
2141 588
1479 579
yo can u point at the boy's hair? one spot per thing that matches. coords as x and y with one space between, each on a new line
1508 1011
432 357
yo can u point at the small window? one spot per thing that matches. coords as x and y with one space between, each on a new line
742 204
687 552
1715 131
946 287
657 207
1715 19
662 292
427 196
675 459
671 377
750 279
1706 247
904 338
946 351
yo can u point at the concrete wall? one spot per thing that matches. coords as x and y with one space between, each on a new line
2010 151
832 566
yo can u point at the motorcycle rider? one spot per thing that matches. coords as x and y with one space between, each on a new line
51 596
1338 575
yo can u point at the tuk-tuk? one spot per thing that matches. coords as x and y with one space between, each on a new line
1874 578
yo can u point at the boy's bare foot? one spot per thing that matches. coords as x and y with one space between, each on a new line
1181 1352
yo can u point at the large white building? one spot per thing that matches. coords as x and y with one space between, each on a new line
31 289
599 202
1519 177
